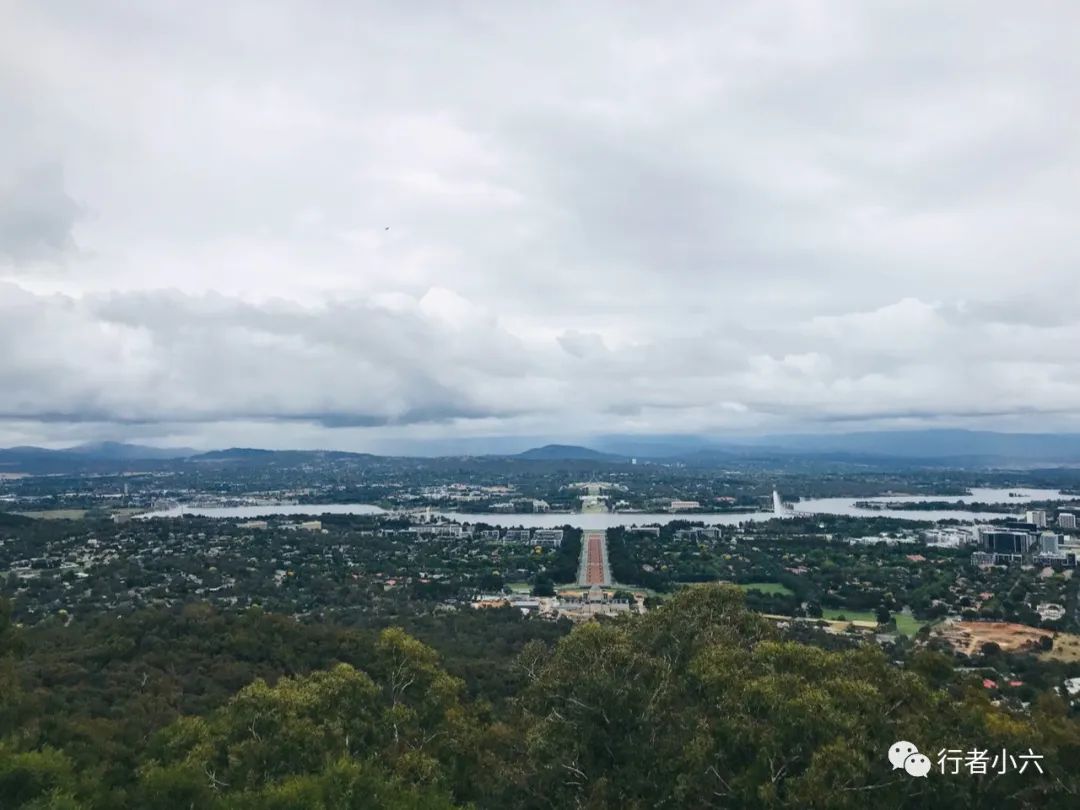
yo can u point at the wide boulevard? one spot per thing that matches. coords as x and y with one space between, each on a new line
594 568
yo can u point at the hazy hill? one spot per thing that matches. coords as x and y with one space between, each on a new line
960 448
120 450
256 455
96 457
939 448
566 452
971 444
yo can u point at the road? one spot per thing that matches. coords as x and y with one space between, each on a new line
595 568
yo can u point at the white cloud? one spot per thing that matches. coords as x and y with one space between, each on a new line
550 220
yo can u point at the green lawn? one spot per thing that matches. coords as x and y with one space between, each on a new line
908 625
833 614
766 587
56 514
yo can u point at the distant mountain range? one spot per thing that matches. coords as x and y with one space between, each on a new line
567 452
254 454
940 444
956 448
98 456
967 446
119 450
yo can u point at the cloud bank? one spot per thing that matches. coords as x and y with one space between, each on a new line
340 224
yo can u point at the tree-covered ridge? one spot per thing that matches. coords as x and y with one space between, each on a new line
699 703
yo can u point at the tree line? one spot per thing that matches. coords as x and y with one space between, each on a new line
700 703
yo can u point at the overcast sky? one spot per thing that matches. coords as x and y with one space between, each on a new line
355 225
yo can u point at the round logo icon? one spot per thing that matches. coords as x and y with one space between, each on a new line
899 751
917 764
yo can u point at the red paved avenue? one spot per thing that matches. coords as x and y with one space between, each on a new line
594 567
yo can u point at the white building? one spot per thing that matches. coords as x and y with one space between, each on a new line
1038 517
1066 520
948 537
548 537
442 530
1050 611
1049 543
306 526
682 506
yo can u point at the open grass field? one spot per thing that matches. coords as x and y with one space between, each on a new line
907 625
968 637
1066 648
863 616
863 619
766 587
834 626
77 514
56 514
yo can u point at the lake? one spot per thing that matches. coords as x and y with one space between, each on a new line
607 520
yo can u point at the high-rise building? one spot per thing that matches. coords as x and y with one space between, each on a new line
1049 543
1066 520
1004 541
1038 517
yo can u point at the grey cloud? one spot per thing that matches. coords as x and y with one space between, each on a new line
582 344
747 216
172 358
176 358
36 215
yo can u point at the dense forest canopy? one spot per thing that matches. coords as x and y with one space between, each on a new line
699 703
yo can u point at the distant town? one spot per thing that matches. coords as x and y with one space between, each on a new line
328 536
